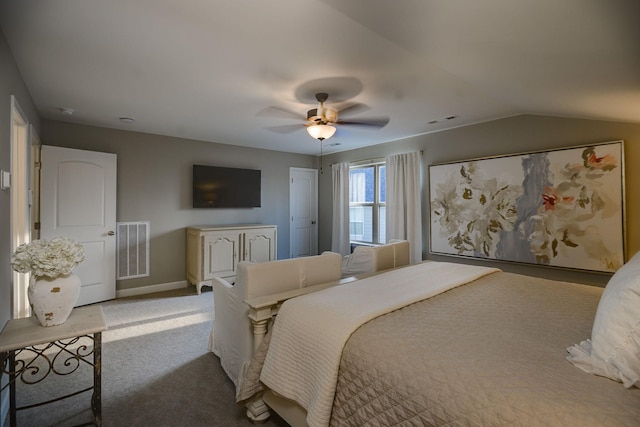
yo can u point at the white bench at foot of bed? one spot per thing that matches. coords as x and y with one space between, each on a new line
261 311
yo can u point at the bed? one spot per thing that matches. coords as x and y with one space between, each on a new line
447 344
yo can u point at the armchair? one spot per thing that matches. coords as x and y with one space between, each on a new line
370 259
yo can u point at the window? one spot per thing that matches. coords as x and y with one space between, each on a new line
367 198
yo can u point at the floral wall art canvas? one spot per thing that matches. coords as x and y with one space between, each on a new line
562 208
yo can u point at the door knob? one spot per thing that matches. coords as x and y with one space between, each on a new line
111 233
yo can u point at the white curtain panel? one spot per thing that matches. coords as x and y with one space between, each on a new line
403 201
340 236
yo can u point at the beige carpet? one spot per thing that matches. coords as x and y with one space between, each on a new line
156 370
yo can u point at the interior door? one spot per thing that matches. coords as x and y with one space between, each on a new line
78 200
303 211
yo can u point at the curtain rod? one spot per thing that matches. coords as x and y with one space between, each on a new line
370 161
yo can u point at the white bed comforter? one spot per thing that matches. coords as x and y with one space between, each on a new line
311 331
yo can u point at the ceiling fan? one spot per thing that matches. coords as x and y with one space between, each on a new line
320 121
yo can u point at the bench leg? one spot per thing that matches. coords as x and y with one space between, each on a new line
257 410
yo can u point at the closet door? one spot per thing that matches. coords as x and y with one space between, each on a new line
303 211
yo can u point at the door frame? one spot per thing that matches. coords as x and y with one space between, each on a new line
34 190
21 223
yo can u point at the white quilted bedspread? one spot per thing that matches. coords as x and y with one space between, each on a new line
311 331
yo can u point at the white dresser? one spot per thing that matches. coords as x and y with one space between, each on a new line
215 251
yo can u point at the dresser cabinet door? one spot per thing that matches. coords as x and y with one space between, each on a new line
260 245
221 254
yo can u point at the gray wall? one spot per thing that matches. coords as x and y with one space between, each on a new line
11 83
154 184
154 179
506 136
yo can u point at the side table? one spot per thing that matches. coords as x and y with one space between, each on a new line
61 349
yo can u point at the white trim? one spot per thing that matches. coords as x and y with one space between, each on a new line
367 162
142 290
34 185
20 148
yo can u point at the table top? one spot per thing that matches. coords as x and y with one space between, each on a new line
229 226
21 333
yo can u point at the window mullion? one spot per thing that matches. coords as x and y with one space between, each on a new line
376 196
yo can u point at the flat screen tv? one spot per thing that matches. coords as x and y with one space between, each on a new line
218 187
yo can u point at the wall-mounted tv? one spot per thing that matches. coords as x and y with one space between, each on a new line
218 187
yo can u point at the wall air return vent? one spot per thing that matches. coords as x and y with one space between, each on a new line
133 250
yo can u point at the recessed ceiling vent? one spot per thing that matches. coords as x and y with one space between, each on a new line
444 119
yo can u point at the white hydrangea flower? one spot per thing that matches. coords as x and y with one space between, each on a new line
50 258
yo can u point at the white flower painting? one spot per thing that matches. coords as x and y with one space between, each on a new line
560 208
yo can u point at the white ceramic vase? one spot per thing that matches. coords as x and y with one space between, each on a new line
52 300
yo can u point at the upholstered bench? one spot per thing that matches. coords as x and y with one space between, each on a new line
232 335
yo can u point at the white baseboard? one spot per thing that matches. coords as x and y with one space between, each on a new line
142 290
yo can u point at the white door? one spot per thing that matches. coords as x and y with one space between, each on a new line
78 200
303 212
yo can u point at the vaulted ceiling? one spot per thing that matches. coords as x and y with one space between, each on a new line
213 70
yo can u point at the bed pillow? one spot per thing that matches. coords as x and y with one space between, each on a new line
614 348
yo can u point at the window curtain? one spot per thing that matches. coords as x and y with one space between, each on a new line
340 241
403 201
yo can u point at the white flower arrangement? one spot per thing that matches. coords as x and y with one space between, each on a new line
50 258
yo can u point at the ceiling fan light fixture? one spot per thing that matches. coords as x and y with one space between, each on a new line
321 132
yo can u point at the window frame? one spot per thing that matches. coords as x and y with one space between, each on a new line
377 164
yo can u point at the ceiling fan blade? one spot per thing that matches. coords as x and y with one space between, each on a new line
378 122
285 128
352 109
279 112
